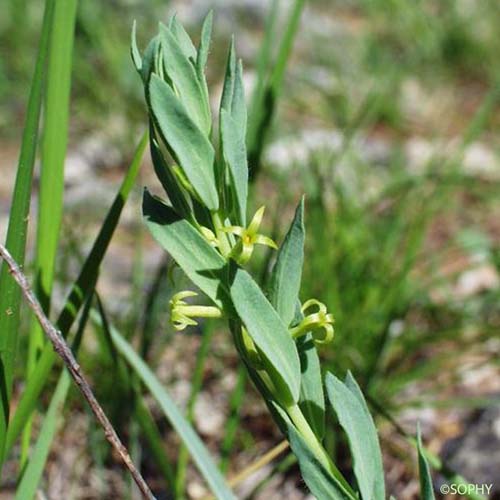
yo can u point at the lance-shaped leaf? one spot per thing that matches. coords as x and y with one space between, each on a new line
232 128
426 489
182 73
283 294
202 55
198 451
182 38
350 407
167 178
187 144
204 266
269 334
284 285
321 482
235 156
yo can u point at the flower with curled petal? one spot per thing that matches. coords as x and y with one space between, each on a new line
249 237
182 314
319 322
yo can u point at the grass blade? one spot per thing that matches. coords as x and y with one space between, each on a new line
196 384
81 289
265 103
10 298
50 203
196 447
34 469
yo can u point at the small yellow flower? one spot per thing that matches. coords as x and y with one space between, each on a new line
182 314
319 323
249 237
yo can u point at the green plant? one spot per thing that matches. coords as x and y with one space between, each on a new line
204 229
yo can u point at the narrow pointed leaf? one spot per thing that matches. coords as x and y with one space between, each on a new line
206 34
168 180
134 50
10 296
182 38
426 488
379 490
284 285
81 289
269 334
182 72
348 403
193 443
235 156
322 484
312 397
188 145
202 264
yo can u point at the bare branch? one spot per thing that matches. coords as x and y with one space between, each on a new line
73 367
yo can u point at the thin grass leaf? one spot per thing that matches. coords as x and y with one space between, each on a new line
262 119
10 296
81 289
33 472
233 420
197 449
426 488
50 203
196 384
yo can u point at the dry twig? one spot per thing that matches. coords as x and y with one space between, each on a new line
73 367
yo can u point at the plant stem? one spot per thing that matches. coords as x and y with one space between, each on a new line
224 244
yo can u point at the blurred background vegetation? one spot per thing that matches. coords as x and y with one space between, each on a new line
388 119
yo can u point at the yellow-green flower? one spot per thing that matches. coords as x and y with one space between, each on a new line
182 314
249 237
319 323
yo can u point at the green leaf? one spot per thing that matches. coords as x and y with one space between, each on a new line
426 489
33 472
233 94
379 491
206 34
235 155
134 50
149 59
83 286
203 265
182 38
10 296
312 397
187 144
348 403
168 179
284 285
269 334
322 484
28 485
195 446
202 56
182 73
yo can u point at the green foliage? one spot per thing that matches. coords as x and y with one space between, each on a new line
275 338
10 298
